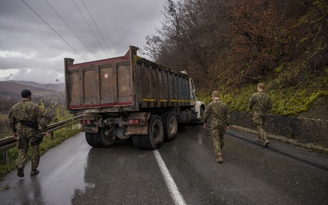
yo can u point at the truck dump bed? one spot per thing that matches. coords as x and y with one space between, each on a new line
125 83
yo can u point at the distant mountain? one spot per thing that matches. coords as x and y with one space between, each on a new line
47 92
57 87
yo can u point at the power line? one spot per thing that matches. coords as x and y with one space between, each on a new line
54 30
90 28
70 28
97 27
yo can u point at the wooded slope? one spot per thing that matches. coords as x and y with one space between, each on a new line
233 45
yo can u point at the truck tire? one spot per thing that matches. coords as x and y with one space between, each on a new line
137 142
170 126
155 137
91 139
103 139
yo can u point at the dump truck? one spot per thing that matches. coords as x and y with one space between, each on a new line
130 98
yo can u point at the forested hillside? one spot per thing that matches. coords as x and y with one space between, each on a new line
233 45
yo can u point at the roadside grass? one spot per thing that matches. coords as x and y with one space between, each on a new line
4 126
3 117
285 102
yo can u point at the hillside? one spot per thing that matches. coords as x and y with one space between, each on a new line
231 46
60 87
10 93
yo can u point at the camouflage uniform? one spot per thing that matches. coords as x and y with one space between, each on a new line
22 112
218 114
260 103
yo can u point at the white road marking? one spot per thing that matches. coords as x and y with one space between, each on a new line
174 191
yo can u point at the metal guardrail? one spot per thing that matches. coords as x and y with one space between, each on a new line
10 142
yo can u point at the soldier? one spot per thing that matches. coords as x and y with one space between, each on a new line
260 103
217 113
24 120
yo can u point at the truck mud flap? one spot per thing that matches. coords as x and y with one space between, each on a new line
138 123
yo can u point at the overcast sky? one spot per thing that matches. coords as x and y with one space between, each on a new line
31 50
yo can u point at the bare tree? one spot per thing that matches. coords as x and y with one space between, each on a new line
238 42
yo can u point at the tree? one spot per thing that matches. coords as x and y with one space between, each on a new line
234 43
255 28
194 38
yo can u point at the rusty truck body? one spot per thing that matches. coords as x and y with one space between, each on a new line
129 97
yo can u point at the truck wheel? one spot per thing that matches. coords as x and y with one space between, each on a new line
137 142
170 125
155 137
91 139
105 137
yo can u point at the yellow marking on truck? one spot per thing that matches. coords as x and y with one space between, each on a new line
148 100
163 100
182 101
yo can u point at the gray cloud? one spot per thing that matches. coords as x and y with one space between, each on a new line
31 46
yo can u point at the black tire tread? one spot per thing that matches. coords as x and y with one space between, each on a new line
147 140
166 126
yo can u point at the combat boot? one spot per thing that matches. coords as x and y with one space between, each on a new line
258 139
219 159
20 171
266 142
34 172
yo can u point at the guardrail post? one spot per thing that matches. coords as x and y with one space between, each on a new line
5 156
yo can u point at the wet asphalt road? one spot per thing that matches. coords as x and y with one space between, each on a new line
75 173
